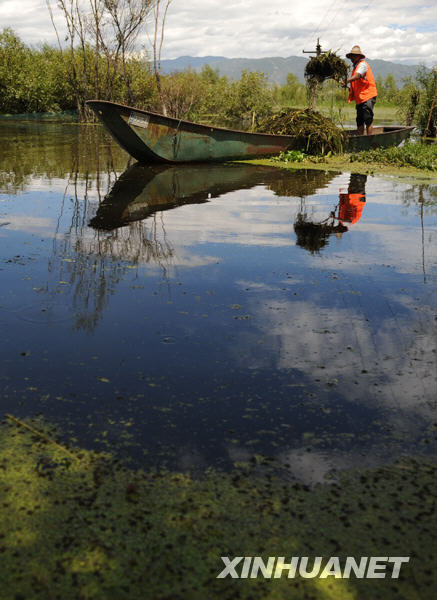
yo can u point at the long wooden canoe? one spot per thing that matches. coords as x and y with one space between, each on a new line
151 137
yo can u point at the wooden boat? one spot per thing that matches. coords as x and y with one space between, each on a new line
151 137
382 137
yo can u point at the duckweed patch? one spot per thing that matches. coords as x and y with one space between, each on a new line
81 525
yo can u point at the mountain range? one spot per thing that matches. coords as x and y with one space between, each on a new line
275 68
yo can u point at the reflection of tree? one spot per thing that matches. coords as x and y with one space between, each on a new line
91 266
58 150
101 261
299 183
424 197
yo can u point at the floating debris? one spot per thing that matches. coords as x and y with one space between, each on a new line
314 133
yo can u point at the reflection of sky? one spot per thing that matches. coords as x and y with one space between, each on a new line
216 333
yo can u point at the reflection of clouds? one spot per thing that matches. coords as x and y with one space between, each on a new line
137 245
393 245
383 363
235 218
29 224
336 344
321 466
313 467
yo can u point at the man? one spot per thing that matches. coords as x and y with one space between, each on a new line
362 90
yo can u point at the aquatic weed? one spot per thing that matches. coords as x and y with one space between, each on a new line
411 154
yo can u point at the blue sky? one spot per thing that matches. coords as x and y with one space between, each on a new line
397 30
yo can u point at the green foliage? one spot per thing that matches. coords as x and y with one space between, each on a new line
419 155
290 156
68 78
207 97
292 93
387 89
416 98
249 98
71 78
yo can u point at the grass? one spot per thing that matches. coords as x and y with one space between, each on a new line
413 161
418 155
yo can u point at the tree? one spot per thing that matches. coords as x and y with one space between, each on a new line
251 97
293 92
109 29
417 101
160 9
13 60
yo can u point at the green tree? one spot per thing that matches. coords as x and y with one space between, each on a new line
292 93
250 97
14 62
417 101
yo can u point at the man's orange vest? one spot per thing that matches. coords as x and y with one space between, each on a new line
364 88
351 207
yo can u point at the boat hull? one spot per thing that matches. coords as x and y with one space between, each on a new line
151 137
383 137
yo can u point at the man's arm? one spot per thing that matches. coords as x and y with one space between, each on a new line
354 77
361 71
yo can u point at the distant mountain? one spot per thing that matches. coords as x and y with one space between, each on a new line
189 62
275 68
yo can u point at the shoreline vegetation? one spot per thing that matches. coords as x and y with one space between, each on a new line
84 71
90 69
79 524
413 160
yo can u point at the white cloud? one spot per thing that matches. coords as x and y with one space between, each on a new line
397 30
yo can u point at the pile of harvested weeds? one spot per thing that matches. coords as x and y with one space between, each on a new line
314 133
325 66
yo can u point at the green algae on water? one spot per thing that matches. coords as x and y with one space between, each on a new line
88 527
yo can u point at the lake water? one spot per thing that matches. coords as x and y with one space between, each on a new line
196 316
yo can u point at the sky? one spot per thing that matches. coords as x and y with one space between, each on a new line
402 31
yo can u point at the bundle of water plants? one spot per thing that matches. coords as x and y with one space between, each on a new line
314 236
314 133
325 66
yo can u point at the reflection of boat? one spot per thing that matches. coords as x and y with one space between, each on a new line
151 137
143 190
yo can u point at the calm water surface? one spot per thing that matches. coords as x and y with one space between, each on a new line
196 316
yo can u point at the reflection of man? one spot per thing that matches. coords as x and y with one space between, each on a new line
314 236
352 204
362 90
